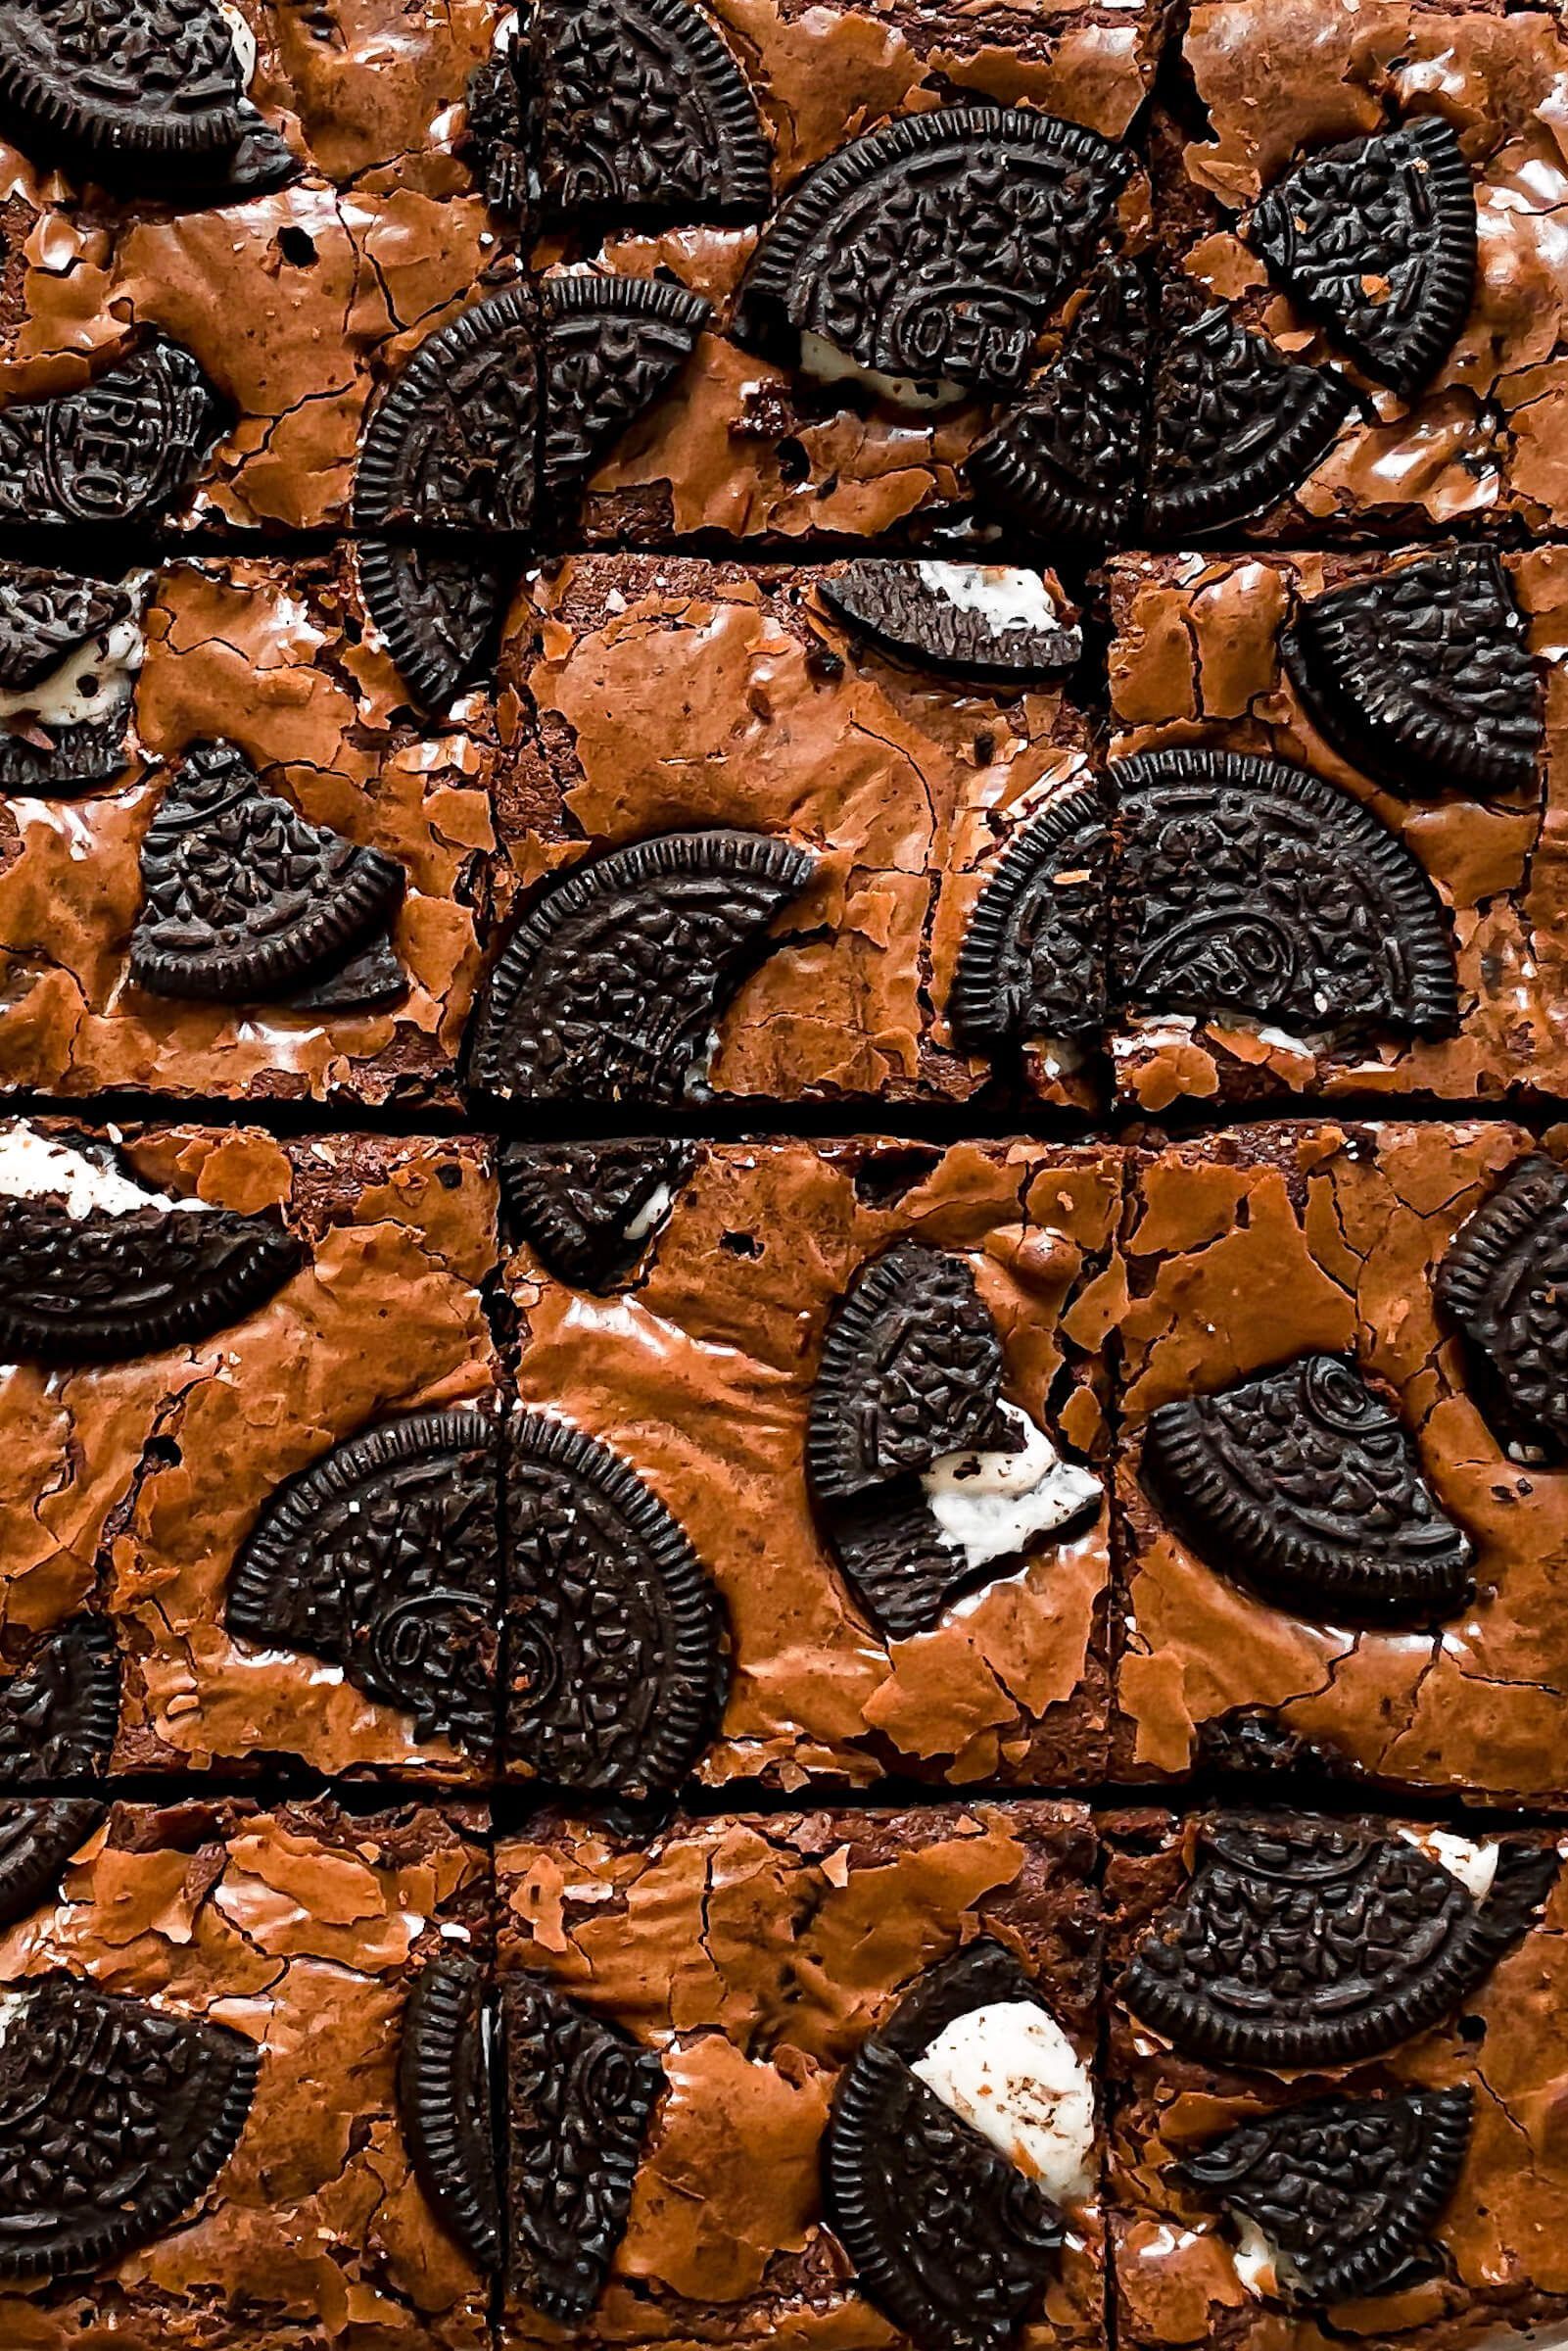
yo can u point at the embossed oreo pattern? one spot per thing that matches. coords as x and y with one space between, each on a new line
905 608
444 2094
123 449
37 1836
591 1211
1505 1283
59 1712
1032 965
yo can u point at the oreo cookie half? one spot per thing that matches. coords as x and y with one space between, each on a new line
580 2094
59 1713
37 1836
69 650
444 2094
591 1211
244 900
383 1559
1032 965
615 1669
1421 676
1376 239
931 253
118 2118
1304 1484
611 346
1504 1282
1245 886
123 449
440 615
999 625
1304 1940
1347 2190
612 985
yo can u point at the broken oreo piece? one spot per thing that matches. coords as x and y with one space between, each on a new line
1376 239
579 2094
615 1669
1421 675
37 1836
59 1713
989 622
117 2119
444 2097
133 83
1247 887
1303 1483
454 445
932 251
642 110
1347 2190
46 616
1032 965
440 615
611 345
590 1210
1304 1940
383 1559
69 648
612 985
1504 1282
123 447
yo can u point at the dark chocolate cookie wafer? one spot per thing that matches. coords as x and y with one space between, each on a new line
611 345
593 1210
69 648
439 614
37 1836
59 1712
124 448
1504 1282
989 623
446 2094
1032 965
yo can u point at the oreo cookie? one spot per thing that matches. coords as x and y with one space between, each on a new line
1304 1940
615 1666
1421 676
59 1711
117 2119
445 2102
1247 887
996 625
37 1836
69 648
611 987
592 1211
642 112
1303 1483
1032 964
931 253
440 615
1376 239
1503 1282
383 1558
611 345
124 448
580 2094
455 443
1348 2189
244 900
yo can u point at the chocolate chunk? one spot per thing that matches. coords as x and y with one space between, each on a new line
977 1975
455 443
1304 1484
1377 240
1068 464
1243 886
590 1210
617 1671
60 1714
934 250
578 2095
1421 675
1032 965
1504 1282
445 2102
1347 2189
106 1289
37 1836
643 110
382 1557
57 631
115 2119
1304 1940
123 449
242 898
47 615
612 985
955 617
132 82
948 2240
611 346
1234 425
439 613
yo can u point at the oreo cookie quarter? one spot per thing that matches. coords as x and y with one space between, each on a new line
592 1211
454 445
37 1836
446 2099
1503 1281
124 448
439 614
1032 968
611 346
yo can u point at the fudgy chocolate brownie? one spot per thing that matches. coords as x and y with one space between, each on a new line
859 1393
1333 2066
820 2078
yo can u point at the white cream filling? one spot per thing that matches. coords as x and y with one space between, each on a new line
989 1505
243 38
829 365
12 2004
1005 597
1259 2264
1011 2072
34 1167
89 683
656 1205
1474 1865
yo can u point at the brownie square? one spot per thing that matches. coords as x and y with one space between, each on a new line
756 1962
295 915
217 1995
829 709
248 1507
1340 1552
1343 2028
1423 689
769 1347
